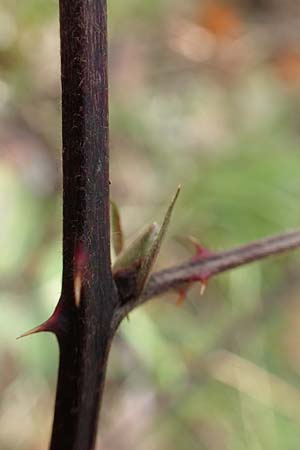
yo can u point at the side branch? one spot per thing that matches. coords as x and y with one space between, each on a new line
211 265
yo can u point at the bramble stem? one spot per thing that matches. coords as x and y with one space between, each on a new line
88 296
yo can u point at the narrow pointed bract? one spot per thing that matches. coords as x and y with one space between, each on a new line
151 256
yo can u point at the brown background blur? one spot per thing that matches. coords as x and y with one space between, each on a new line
205 94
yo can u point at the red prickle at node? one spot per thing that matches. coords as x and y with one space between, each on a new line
200 254
54 324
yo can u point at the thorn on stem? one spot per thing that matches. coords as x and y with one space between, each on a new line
80 263
203 287
77 288
181 296
47 326
38 329
55 324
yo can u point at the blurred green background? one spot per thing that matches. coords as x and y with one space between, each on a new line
205 94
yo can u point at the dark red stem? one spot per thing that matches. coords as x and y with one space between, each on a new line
84 318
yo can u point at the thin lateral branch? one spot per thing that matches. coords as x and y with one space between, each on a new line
169 279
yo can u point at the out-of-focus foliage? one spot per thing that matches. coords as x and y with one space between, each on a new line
205 94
